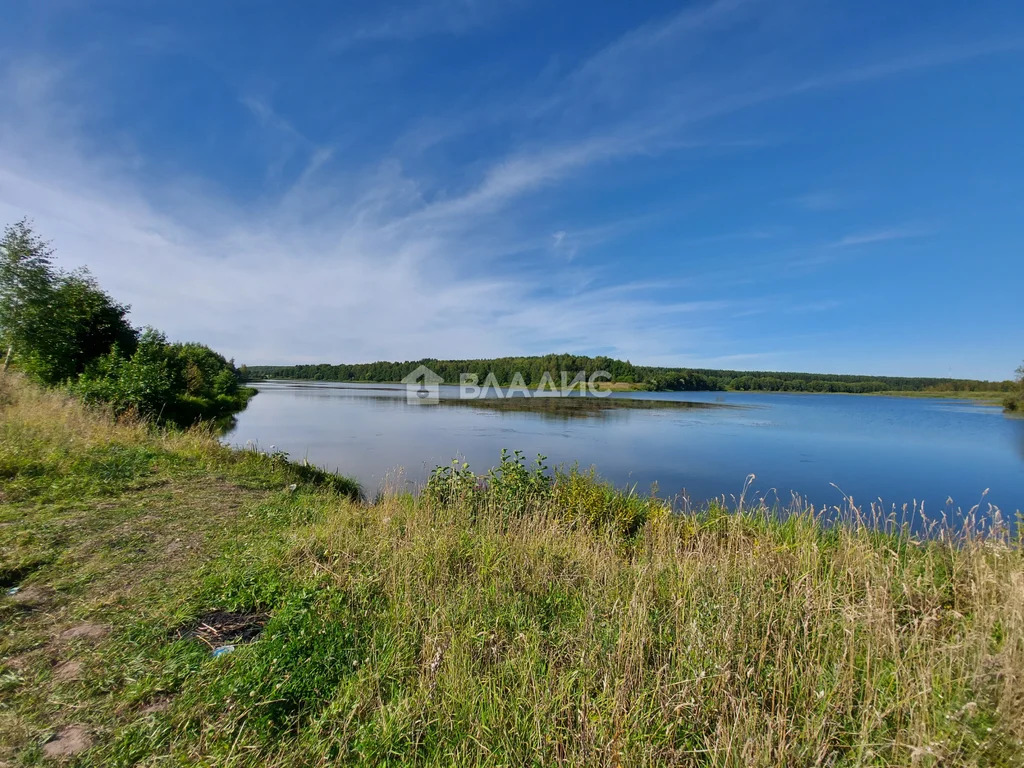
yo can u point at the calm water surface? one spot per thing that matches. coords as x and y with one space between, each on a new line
898 450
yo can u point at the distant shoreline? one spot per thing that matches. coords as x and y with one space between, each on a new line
993 398
610 374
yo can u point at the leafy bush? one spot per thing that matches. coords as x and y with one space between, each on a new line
142 382
582 497
515 489
453 484
509 488
1014 401
512 489
180 383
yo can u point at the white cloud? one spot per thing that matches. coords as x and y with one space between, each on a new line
383 276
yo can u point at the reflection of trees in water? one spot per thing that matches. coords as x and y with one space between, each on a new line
566 408
569 408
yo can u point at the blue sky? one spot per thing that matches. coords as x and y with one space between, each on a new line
784 184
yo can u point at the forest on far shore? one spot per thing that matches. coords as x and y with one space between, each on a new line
533 369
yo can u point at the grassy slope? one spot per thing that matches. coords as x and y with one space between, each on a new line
410 632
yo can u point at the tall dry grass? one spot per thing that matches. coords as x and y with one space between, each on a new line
712 638
55 447
59 419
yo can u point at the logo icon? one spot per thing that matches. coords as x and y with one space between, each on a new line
422 386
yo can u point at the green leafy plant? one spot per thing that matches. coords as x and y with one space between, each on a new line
514 488
454 483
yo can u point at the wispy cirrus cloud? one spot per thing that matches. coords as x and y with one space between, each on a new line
288 141
374 278
638 96
879 236
820 200
405 22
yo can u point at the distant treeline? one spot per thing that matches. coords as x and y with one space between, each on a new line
675 379
533 369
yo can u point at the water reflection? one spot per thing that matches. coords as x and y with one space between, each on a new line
897 450
569 408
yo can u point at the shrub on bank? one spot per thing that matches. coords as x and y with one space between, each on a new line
1014 402
179 383
512 489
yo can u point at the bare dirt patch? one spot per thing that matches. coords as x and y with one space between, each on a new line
85 631
68 671
33 596
18 663
225 627
68 742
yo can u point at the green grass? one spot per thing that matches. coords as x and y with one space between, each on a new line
512 620
985 398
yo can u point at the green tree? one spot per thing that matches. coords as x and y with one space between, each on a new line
62 328
86 324
52 323
26 287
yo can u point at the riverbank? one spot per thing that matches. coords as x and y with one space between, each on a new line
983 398
508 624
